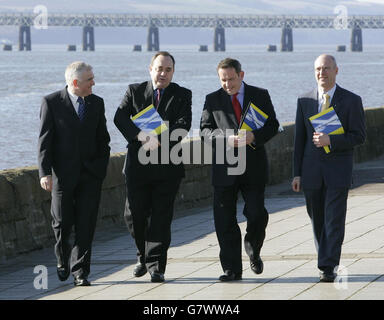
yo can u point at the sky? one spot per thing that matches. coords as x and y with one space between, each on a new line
198 6
190 35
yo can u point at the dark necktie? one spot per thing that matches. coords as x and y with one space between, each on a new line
81 110
236 107
158 96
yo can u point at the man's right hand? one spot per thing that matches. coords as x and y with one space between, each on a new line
296 184
148 140
46 183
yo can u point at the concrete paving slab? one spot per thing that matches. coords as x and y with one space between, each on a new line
289 255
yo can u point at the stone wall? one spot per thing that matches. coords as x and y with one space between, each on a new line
25 220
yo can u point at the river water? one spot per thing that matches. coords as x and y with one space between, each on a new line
25 77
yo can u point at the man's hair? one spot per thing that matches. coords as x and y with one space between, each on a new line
229 63
165 54
333 59
75 70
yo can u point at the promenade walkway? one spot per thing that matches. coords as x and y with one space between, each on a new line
193 268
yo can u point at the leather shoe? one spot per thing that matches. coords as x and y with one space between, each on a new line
81 281
62 272
229 275
257 265
140 270
327 277
157 277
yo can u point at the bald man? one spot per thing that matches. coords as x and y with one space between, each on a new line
324 177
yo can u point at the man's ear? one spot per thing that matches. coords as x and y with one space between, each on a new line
75 83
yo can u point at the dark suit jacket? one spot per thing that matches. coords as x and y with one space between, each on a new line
218 114
174 106
67 146
312 163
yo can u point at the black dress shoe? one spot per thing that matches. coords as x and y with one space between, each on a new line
81 281
62 272
140 270
327 276
257 265
230 276
157 277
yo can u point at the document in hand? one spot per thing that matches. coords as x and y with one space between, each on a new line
327 122
253 119
149 120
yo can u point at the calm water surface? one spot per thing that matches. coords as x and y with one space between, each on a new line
25 77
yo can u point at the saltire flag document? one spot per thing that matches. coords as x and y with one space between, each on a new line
149 121
327 122
253 119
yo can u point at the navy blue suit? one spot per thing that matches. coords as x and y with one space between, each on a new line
326 178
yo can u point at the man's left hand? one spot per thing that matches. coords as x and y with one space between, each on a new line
321 139
242 139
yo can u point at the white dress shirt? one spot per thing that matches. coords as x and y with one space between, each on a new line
321 98
74 98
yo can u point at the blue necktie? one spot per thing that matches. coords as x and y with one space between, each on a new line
81 110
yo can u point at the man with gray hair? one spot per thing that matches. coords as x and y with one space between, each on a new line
322 164
73 154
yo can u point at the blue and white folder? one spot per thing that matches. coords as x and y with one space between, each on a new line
149 120
327 122
254 118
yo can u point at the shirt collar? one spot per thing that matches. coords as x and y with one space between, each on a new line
155 88
330 93
72 97
241 90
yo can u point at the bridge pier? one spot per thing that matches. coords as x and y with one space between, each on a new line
153 43
219 39
356 39
286 39
25 38
88 38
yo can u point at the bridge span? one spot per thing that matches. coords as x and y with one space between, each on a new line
217 22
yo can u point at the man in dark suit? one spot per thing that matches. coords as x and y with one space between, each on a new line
73 154
326 177
152 187
223 110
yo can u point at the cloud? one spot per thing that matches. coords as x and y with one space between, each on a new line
379 2
315 7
